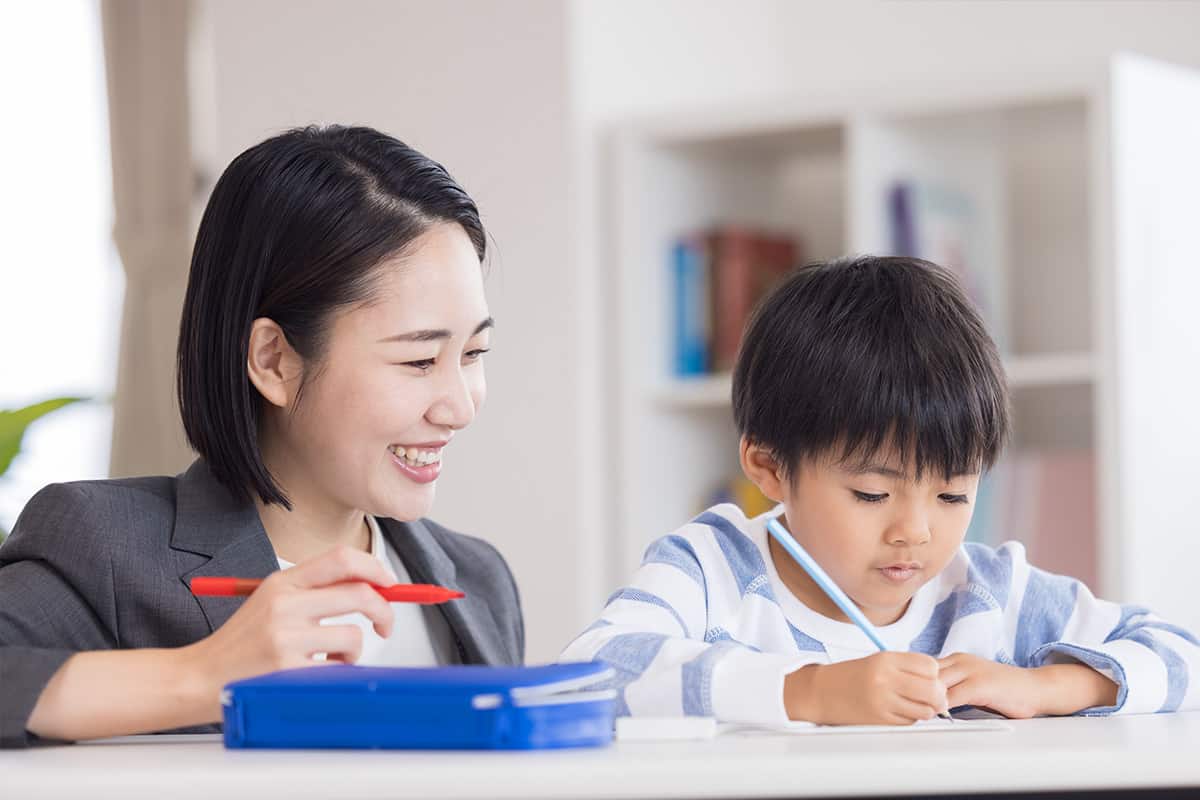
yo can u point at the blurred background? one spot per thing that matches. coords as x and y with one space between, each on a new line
646 169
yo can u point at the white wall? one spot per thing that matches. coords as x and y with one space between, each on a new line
637 57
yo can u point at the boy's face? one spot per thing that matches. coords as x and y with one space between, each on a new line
877 531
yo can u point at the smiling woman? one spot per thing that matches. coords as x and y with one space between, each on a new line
330 347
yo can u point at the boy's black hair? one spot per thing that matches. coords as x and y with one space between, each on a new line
849 357
294 230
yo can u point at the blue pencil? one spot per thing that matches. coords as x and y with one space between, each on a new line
839 598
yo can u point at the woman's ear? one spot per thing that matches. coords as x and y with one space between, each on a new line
274 367
762 469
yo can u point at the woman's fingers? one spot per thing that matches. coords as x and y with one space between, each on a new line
339 643
346 598
338 566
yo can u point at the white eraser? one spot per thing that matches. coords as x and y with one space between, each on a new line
635 729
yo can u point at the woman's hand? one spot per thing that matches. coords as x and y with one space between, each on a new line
1021 693
278 627
117 692
884 689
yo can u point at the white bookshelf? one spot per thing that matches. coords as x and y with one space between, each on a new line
1052 369
1053 237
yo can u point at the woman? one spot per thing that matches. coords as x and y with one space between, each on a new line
330 347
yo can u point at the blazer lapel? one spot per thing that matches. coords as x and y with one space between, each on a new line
470 618
215 535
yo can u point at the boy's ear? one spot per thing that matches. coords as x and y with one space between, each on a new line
762 469
274 367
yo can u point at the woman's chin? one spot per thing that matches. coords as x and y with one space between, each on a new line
406 504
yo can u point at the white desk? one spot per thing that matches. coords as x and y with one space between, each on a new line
1044 754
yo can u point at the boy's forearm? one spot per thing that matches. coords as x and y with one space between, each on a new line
1069 688
116 692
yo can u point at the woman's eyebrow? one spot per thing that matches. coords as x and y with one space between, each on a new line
436 334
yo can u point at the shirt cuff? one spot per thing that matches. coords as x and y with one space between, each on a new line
747 687
1116 660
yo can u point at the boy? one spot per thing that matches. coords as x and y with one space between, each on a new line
869 399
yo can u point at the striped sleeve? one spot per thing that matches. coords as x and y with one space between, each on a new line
654 634
1055 619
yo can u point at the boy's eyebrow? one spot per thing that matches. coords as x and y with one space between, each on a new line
875 469
888 472
436 334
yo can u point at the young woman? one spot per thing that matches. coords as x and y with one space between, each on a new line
330 349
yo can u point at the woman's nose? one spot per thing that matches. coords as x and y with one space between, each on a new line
455 404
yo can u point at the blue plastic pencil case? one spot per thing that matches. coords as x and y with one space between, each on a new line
459 707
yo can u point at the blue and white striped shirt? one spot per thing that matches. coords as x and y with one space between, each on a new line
707 627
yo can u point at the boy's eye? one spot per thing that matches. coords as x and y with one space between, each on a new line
866 497
953 499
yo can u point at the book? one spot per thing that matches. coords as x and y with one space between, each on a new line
692 314
938 222
717 277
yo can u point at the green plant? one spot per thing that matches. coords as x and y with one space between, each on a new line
13 425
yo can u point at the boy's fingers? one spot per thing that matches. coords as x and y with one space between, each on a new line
960 695
953 675
922 691
909 711
922 666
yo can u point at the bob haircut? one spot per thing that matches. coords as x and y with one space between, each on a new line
294 230
849 357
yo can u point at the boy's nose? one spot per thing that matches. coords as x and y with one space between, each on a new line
910 530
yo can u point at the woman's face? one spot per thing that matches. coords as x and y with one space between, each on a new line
397 378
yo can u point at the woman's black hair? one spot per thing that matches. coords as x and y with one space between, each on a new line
848 357
293 231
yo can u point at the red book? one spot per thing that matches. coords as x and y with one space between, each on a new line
745 266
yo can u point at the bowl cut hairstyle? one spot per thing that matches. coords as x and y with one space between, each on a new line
848 357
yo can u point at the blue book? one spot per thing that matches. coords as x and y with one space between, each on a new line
457 707
690 298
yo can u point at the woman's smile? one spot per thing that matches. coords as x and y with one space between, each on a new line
420 463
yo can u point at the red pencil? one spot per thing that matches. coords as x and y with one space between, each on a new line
423 593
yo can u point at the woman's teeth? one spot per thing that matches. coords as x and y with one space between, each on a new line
415 457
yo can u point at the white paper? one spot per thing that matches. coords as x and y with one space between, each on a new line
925 726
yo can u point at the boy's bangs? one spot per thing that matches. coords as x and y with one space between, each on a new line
918 420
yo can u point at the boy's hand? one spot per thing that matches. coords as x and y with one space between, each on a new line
1020 693
884 689
974 681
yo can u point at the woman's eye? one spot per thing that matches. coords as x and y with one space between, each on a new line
870 498
474 355
953 499
424 364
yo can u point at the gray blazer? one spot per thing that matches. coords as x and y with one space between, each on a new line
99 565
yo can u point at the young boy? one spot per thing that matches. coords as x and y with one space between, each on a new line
869 399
